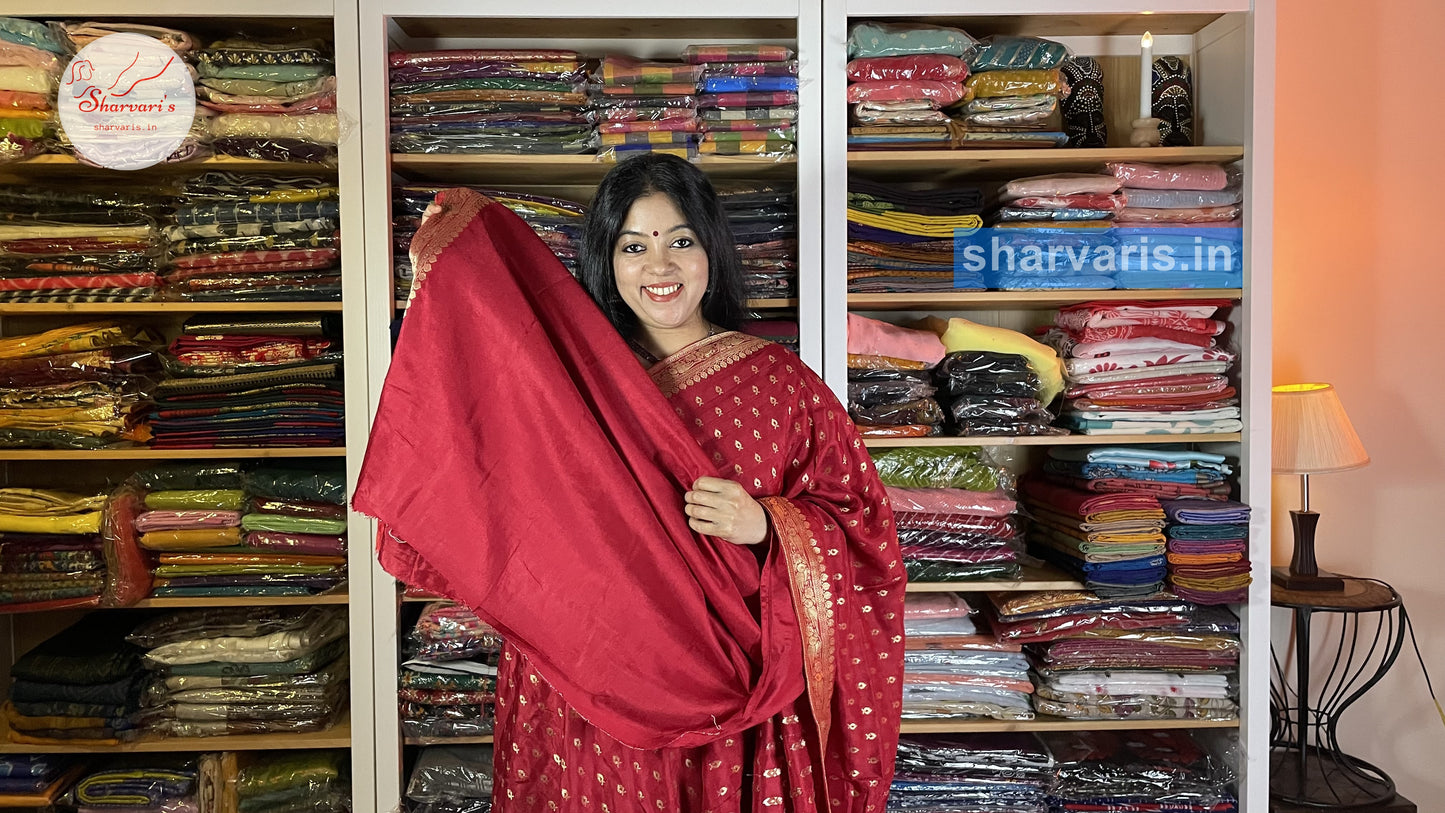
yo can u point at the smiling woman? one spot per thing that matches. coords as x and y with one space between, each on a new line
692 559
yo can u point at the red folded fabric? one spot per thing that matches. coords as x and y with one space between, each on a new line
1174 334
935 67
1065 500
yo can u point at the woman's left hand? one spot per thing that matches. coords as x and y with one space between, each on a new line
721 508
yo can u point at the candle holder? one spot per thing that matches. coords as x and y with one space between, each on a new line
1145 133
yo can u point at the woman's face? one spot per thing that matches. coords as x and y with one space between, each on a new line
660 266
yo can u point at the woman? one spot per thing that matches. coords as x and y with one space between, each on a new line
692 559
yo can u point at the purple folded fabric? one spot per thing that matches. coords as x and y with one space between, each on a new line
1206 512
30 543
183 520
1212 598
297 543
1187 547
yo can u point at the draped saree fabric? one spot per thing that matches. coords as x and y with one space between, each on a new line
524 463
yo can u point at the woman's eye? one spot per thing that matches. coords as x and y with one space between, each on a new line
682 242
631 248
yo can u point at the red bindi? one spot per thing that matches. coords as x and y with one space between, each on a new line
654 234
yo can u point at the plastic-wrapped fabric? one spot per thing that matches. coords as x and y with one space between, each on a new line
1005 53
1133 707
999 527
925 701
951 501
191 539
940 93
233 622
1210 214
938 467
196 500
985 373
309 662
916 67
1034 631
299 484
909 431
1182 198
332 673
1161 768
1014 83
451 772
143 786
447 631
870 394
960 334
291 781
975 410
867 40
300 543
1194 177
917 539
918 412
946 571
1059 184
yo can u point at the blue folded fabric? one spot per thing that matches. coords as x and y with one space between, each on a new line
1029 282
1206 512
1207 533
1179 279
743 84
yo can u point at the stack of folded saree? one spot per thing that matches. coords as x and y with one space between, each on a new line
75 387
1052 232
990 394
311 781
901 237
900 77
1146 368
269 532
247 671
451 779
276 100
1114 542
556 221
80 686
1208 550
777 326
78 256
1014 92
449 680
250 382
646 106
1193 211
51 554
748 104
94 244
956 520
1165 473
36 780
979 773
255 238
1108 692
153 783
1177 771
501 102
31 57
764 222
889 389
955 667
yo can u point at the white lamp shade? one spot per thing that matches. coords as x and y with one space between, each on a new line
1312 433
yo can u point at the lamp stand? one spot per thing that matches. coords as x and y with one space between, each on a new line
1303 572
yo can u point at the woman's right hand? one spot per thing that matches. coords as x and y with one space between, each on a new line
432 208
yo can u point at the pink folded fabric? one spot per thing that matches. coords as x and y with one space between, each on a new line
319 544
1178 332
921 606
1208 214
183 520
1067 183
870 337
932 67
1199 177
1109 203
944 93
951 501
1065 500
1184 316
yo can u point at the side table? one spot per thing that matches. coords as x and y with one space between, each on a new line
1307 767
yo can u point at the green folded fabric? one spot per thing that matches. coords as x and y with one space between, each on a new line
269 73
284 523
935 467
219 499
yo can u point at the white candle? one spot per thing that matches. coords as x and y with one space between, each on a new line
1146 75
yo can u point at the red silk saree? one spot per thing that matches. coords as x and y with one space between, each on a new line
525 464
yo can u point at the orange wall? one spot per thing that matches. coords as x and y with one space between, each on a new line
1359 294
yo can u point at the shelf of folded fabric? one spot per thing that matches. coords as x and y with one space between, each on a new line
1046 723
145 308
940 165
485 739
755 304
568 169
337 736
144 453
337 596
1043 577
67 164
1026 300
1052 440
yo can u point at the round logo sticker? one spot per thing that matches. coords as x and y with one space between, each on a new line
126 101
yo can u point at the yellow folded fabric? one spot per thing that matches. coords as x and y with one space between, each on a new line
990 84
920 225
191 539
961 334
88 523
69 339
37 502
19 722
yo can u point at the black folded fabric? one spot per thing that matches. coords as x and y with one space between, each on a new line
945 201
88 653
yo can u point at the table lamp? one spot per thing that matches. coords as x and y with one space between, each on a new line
1312 435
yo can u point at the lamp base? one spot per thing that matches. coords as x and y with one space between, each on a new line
1322 582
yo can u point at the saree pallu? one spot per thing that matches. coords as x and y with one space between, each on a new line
745 661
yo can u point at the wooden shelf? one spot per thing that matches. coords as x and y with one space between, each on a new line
566 169
1046 577
67 165
129 308
757 304
1053 440
1017 163
338 736
1045 723
169 454
485 739
1024 300
1041 18
338 596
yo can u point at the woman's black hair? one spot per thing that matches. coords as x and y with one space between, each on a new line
692 193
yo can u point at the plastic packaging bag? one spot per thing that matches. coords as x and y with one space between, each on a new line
941 93
921 411
951 501
447 631
940 467
1000 53
1014 83
128 573
916 67
977 410
244 622
874 393
901 39
1195 177
451 772
985 373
